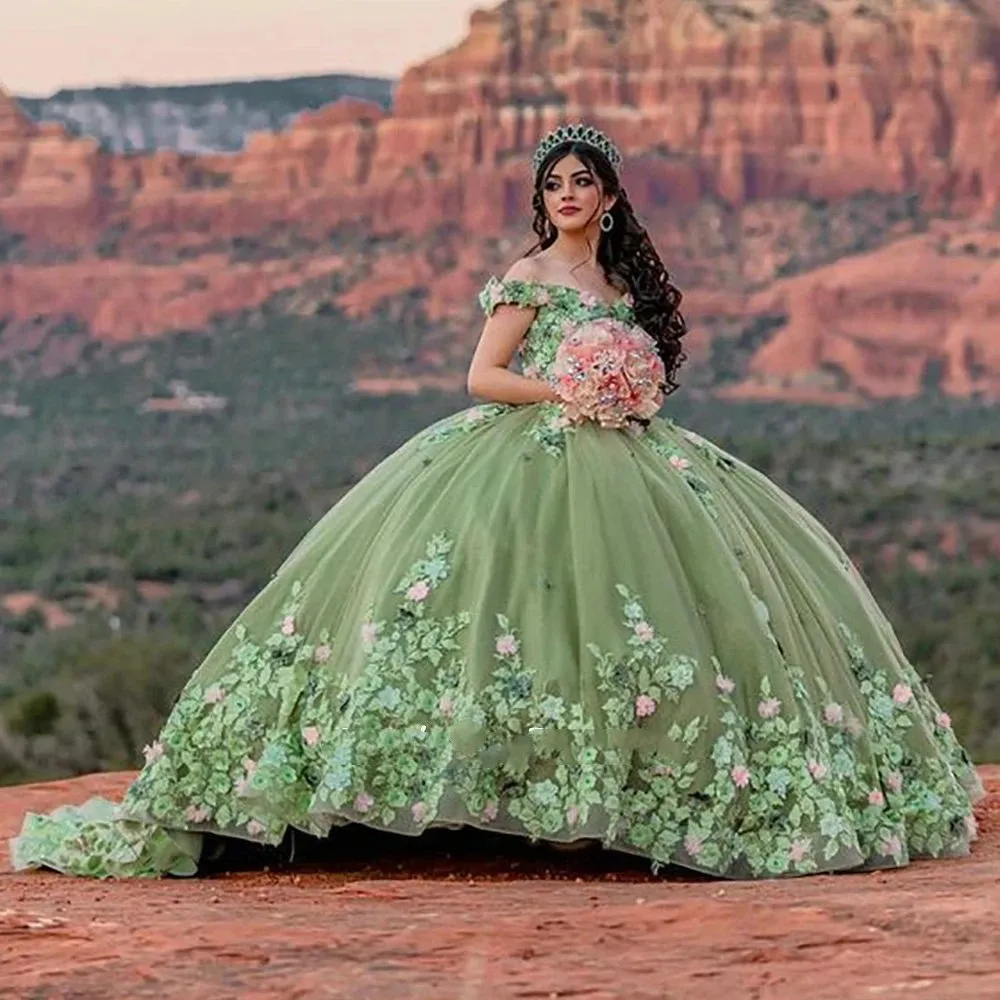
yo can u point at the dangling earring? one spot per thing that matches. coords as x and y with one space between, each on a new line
607 222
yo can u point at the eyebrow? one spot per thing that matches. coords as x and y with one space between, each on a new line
583 171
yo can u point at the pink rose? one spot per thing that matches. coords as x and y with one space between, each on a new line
693 845
573 815
369 633
876 798
255 828
322 653
663 771
644 631
895 781
943 719
817 770
833 714
288 626
644 706
740 776
679 463
799 851
196 814
419 591
490 811
892 846
769 708
902 693
310 736
214 695
726 685
419 812
250 766
363 803
153 752
507 645
446 707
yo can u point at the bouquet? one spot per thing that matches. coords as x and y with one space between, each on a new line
610 372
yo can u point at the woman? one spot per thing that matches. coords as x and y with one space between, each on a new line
548 628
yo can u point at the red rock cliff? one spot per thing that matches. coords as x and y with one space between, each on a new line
748 101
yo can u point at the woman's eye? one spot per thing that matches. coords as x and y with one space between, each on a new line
584 181
552 186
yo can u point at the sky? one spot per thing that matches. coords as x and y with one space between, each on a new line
48 44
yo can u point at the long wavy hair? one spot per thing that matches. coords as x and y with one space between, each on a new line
626 255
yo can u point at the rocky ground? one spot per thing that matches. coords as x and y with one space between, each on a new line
444 920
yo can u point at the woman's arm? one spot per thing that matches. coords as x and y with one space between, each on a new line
489 374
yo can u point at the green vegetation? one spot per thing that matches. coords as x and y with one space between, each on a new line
153 529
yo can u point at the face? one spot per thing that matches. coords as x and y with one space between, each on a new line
573 196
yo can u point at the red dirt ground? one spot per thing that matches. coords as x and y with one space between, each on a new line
452 923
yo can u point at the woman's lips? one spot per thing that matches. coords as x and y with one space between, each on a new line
569 210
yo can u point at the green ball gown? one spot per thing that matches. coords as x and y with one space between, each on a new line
559 632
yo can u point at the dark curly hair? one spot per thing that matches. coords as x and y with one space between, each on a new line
626 255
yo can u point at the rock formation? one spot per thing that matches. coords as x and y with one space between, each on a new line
744 102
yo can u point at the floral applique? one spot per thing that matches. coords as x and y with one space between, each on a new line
550 429
683 465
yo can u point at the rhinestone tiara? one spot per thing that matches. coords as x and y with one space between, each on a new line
586 134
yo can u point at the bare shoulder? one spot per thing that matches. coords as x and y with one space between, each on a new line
525 269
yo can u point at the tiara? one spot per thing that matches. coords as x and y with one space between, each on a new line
577 133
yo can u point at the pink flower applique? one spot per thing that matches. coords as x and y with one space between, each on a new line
693 845
419 591
663 771
854 726
153 751
833 714
446 706
214 695
769 708
725 685
943 719
573 815
818 770
643 631
876 798
196 814
419 812
542 297
310 736
892 846
322 653
679 462
799 851
490 811
363 802
255 828
895 781
902 693
507 645
369 633
288 625
250 769
589 299
644 706
740 776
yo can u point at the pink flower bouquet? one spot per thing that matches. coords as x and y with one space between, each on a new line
609 372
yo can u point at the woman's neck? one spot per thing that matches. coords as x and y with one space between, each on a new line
576 249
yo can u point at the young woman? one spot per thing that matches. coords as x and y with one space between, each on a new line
550 628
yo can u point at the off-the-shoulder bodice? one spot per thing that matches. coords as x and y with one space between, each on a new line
559 307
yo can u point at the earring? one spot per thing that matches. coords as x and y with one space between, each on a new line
607 222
